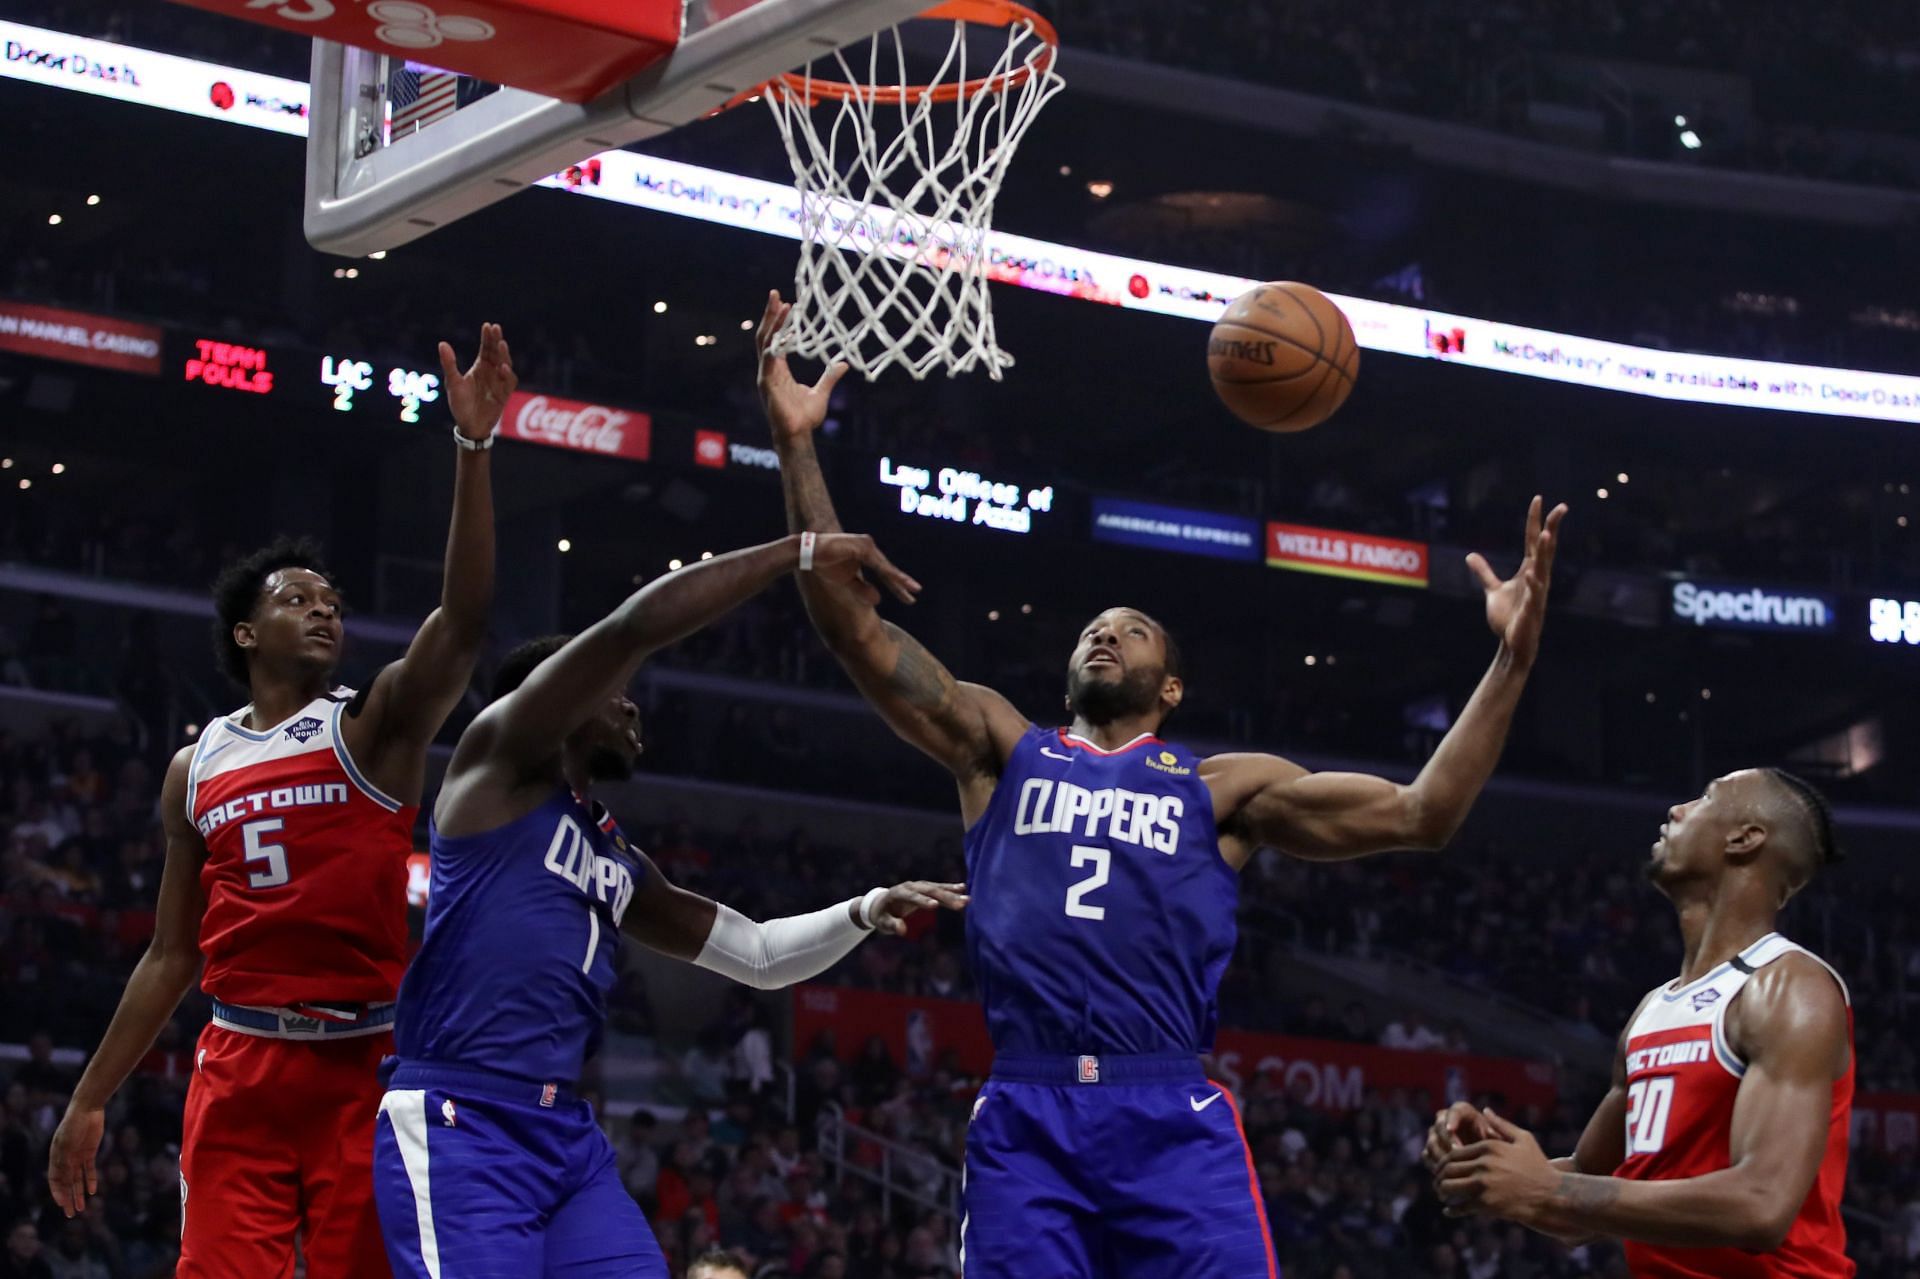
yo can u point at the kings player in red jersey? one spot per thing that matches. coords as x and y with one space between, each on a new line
1721 1151
288 828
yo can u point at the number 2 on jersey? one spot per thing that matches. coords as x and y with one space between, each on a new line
1102 867
1648 1103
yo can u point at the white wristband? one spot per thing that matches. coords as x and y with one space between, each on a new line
869 904
806 551
472 445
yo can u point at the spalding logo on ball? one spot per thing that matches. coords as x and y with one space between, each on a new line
1283 357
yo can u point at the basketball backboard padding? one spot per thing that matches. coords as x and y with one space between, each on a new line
364 203
571 49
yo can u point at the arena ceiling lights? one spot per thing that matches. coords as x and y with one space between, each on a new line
39 56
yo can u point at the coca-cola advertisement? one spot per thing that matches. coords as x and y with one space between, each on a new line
570 424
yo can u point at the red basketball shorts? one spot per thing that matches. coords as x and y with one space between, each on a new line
278 1146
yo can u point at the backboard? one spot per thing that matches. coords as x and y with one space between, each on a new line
397 147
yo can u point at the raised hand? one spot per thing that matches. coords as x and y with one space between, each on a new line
793 410
912 897
1517 607
479 396
838 558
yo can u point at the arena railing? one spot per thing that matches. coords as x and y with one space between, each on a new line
837 1138
730 199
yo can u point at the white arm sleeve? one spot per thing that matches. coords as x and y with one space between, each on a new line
780 952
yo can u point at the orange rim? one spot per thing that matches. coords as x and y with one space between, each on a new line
985 13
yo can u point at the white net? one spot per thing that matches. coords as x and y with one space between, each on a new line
896 200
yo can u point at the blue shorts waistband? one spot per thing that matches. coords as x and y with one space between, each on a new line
399 1074
308 1021
1098 1068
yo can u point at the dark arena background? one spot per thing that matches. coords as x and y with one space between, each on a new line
1568 209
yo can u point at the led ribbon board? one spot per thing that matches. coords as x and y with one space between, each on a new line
210 91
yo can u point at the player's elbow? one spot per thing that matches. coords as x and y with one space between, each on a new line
1427 827
760 972
174 964
1764 1220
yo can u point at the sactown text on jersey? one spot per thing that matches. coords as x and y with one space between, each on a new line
267 800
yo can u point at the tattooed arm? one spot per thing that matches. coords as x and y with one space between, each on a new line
967 728
1790 1023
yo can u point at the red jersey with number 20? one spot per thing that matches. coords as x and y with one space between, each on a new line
1682 1078
306 870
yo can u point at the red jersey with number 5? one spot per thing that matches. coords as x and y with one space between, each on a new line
1682 1078
306 870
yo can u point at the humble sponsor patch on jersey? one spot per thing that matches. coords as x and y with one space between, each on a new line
266 801
1688 1053
1130 817
304 729
1166 762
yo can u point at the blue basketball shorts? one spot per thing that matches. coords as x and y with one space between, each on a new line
482 1176
1141 1171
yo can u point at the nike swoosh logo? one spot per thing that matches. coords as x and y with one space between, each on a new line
1199 1105
1054 754
216 750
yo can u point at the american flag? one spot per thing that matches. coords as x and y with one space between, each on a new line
421 95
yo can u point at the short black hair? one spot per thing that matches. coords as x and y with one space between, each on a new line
236 592
1814 808
519 663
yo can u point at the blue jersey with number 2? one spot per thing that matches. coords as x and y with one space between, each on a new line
522 925
1102 914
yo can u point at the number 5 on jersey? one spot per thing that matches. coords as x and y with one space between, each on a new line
1101 860
274 872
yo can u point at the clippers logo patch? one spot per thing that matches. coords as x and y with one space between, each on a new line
1089 1070
304 730
547 1093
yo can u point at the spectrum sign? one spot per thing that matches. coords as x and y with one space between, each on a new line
1752 608
1339 554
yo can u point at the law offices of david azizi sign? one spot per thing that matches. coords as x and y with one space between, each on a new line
965 497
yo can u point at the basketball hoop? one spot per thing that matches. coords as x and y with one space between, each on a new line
897 190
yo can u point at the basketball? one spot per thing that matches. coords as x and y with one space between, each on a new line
1283 357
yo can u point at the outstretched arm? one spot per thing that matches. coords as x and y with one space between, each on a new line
525 729
1263 799
160 980
779 952
967 728
411 699
1796 1030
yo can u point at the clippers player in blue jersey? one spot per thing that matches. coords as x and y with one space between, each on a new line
485 1164
1102 865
